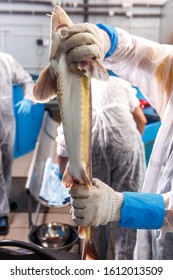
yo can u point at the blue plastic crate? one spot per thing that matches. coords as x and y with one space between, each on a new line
139 94
27 127
148 137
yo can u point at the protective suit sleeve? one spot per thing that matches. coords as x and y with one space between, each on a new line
20 76
142 210
168 220
60 140
145 64
133 100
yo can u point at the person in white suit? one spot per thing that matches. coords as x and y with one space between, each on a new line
10 72
149 66
118 154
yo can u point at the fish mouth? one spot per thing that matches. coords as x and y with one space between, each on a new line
61 26
60 23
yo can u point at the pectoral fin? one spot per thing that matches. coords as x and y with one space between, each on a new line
93 68
45 87
67 179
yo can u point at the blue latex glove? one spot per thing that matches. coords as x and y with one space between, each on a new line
24 106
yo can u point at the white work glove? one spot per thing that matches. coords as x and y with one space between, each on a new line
82 42
95 205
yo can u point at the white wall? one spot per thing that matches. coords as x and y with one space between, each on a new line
166 27
18 35
19 32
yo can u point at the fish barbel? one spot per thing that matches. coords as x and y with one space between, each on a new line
74 98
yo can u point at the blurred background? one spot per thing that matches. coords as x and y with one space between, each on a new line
24 33
24 25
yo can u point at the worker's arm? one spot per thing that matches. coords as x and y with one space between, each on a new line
62 162
140 119
22 77
62 155
144 63
100 204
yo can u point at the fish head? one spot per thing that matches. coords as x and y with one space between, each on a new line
46 88
59 19
92 68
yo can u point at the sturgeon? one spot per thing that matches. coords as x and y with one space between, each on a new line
74 98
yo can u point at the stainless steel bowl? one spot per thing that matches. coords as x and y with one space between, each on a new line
54 235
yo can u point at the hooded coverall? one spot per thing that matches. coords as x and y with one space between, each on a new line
149 66
118 156
10 72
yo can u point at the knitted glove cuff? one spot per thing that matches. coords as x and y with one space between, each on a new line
113 206
110 38
103 40
116 205
106 43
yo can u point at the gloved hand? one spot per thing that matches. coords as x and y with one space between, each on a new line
96 205
83 41
24 106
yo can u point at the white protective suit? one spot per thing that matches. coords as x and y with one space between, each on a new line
148 65
10 72
117 159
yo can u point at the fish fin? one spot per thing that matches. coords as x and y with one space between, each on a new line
86 178
93 68
67 179
82 232
45 87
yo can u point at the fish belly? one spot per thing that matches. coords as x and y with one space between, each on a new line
75 107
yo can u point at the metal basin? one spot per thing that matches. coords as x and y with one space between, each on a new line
56 236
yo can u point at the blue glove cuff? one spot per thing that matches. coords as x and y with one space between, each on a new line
111 31
142 210
60 176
